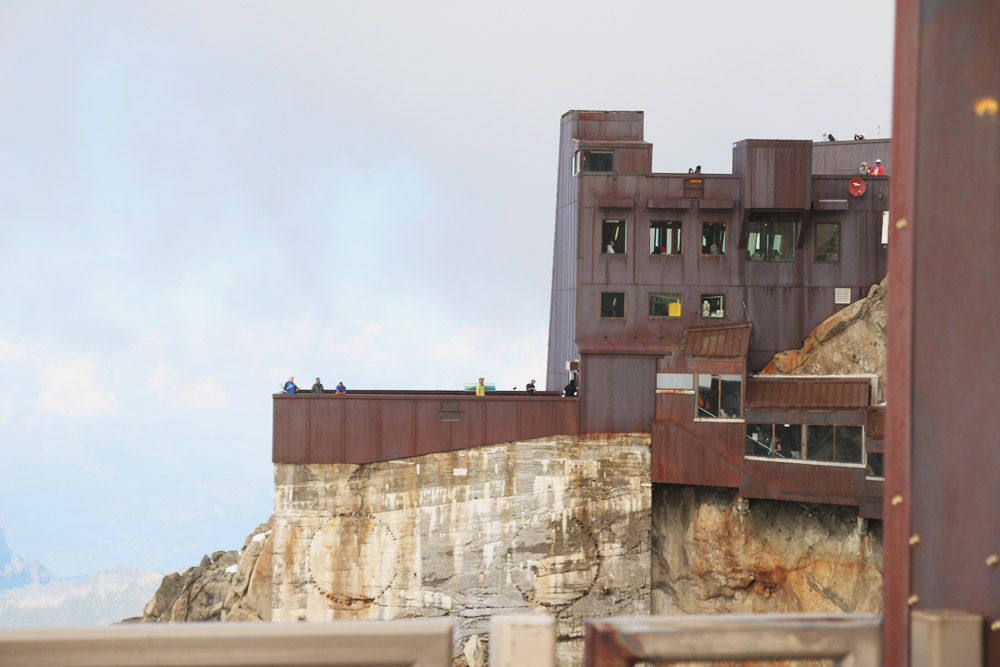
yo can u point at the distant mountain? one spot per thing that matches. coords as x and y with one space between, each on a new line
16 571
104 598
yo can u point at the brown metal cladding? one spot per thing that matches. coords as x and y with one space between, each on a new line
718 341
942 419
362 427
804 393
617 393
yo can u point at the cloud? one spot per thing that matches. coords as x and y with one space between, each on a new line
73 388
10 352
204 394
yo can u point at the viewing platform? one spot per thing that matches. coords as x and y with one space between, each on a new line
369 426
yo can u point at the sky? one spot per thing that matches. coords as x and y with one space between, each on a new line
200 199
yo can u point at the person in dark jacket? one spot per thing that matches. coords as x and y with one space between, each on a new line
318 387
530 387
570 389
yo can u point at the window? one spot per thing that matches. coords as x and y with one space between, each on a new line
827 242
597 162
875 466
612 304
613 237
813 442
713 305
664 305
713 238
771 241
665 238
720 397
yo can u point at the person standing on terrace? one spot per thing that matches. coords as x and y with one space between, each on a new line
318 387
530 387
480 388
290 387
341 389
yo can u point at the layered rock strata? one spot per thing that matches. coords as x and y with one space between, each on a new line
556 525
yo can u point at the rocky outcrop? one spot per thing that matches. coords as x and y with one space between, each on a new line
228 586
708 558
557 526
849 342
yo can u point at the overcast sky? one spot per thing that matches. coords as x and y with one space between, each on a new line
199 199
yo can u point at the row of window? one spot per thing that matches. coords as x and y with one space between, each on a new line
663 306
766 241
807 442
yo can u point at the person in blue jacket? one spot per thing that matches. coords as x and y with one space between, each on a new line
290 387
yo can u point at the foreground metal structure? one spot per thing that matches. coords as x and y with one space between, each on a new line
942 527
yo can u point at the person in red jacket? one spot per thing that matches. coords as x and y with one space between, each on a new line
877 169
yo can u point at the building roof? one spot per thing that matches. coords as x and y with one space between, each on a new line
608 346
790 392
726 340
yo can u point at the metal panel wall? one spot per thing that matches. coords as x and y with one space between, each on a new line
617 393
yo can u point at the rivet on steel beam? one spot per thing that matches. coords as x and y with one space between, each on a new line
897 500
913 600
993 560
901 223
914 540
986 106
995 626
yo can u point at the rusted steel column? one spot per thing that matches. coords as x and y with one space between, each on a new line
524 640
947 639
943 457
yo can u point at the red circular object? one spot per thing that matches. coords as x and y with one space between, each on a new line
857 186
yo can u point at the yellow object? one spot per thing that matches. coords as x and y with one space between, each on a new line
674 309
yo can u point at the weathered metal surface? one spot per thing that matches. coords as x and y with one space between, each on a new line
362 427
418 643
617 393
776 174
850 639
942 424
844 157
718 341
803 393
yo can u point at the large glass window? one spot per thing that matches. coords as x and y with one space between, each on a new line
771 241
713 238
597 162
713 305
665 238
612 304
828 242
664 305
719 397
613 237
813 442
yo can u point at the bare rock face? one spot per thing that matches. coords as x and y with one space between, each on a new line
707 558
850 341
229 586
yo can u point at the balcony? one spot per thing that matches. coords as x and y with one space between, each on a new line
369 426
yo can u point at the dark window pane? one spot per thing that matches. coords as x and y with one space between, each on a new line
612 304
758 441
849 444
731 401
664 238
819 443
827 242
771 241
664 305
782 241
756 242
598 162
874 465
713 238
708 396
613 237
788 441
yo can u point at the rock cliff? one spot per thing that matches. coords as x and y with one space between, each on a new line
228 586
850 341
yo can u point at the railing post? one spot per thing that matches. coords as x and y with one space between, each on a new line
946 638
525 640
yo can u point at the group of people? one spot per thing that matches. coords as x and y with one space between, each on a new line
529 389
875 170
828 136
317 388
694 170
